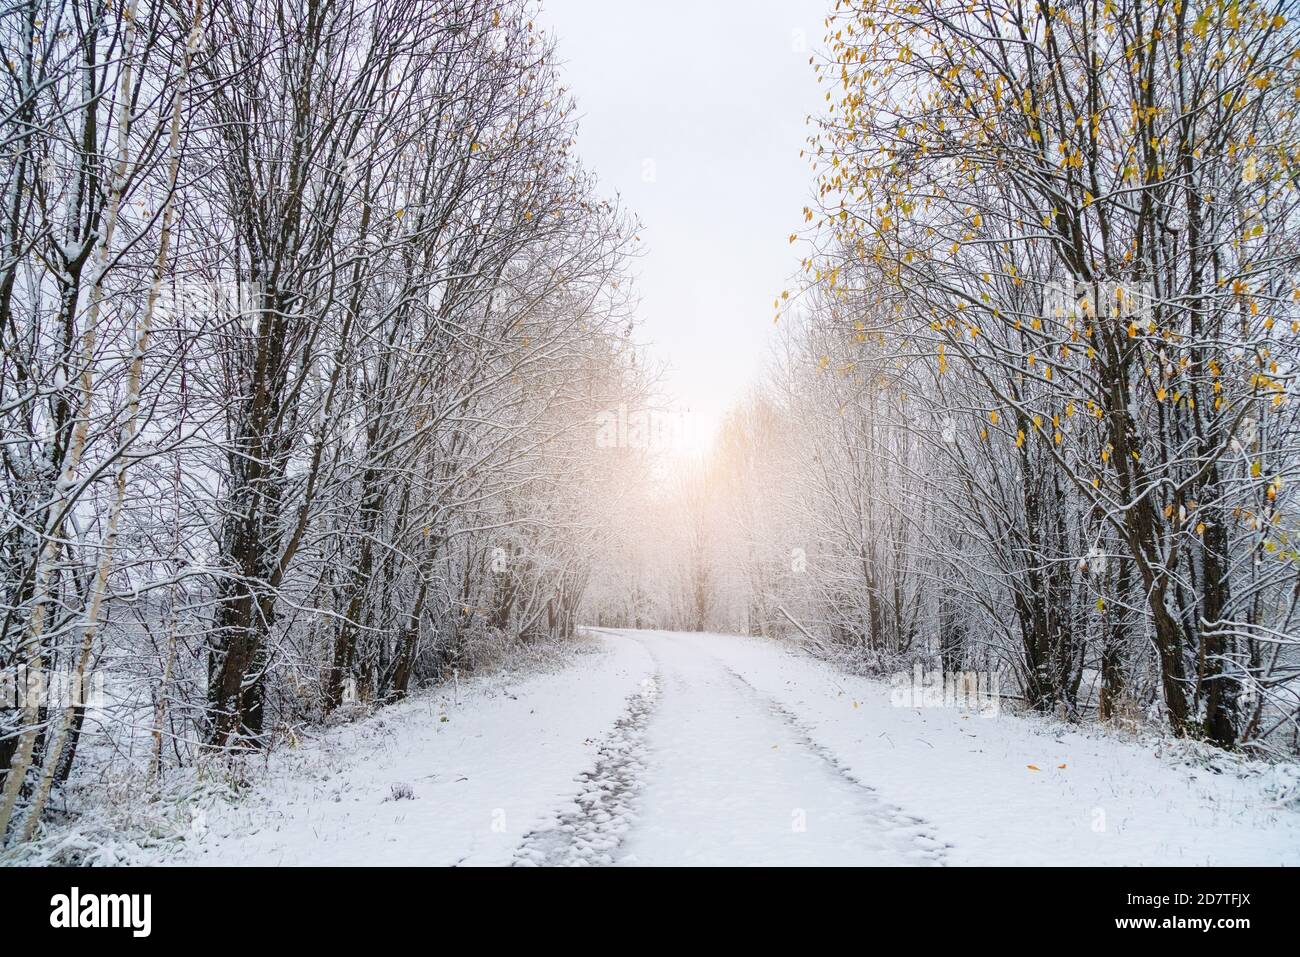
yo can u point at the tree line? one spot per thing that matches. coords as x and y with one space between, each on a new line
1032 407
307 309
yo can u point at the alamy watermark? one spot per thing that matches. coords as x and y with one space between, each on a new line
77 910
624 428
1068 299
966 690
24 687
204 299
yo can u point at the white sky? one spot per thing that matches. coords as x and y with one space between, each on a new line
693 112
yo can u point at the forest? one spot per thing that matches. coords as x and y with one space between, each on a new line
302 304
323 381
1031 410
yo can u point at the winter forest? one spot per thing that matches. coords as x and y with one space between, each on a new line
327 406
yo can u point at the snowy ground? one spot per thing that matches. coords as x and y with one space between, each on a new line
662 749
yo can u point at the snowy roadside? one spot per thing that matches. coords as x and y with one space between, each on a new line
1023 790
443 778
661 748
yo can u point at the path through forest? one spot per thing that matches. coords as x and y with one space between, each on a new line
723 775
657 748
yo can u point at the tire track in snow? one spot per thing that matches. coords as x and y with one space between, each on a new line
591 832
927 848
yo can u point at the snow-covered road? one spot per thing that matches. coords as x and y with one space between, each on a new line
726 776
662 749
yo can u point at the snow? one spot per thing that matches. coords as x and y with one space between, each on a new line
483 773
657 749
733 779
1095 800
